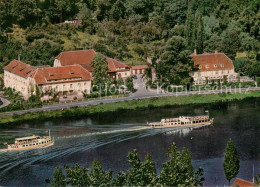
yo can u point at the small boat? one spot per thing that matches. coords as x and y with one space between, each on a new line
30 142
182 121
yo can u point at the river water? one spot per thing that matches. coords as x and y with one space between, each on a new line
110 137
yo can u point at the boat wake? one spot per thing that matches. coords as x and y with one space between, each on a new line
79 142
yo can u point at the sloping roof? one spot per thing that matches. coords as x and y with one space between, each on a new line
87 67
114 64
20 68
76 57
140 67
242 183
84 58
50 75
214 61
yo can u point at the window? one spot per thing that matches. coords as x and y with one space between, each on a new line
71 85
215 65
85 84
207 66
222 65
216 72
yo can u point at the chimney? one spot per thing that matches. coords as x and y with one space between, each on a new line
19 57
216 51
195 52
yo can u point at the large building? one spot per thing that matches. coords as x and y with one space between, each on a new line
213 67
73 80
116 69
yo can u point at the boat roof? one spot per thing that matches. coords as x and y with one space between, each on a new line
27 138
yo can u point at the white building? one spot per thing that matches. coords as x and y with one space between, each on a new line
213 67
71 80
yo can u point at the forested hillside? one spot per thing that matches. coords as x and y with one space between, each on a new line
129 30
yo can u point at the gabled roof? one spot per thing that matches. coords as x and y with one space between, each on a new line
87 67
114 65
76 57
214 61
242 183
84 58
20 68
54 75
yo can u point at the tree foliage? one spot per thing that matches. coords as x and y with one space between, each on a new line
177 171
100 66
231 161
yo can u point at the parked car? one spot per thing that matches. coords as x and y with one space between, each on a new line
134 77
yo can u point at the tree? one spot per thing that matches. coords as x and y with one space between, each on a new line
100 65
178 171
198 32
231 161
129 84
77 176
141 173
189 27
176 62
58 178
98 177
231 43
63 6
118 10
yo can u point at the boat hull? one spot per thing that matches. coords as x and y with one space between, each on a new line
29 147
187 125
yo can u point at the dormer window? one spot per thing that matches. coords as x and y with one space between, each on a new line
207 66
72 73
51 75
215 65
222 65
200 66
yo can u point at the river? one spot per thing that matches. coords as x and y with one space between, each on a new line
110 137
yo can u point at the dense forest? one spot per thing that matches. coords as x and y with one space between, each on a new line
131 30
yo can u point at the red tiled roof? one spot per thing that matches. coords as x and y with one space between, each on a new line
214 61
84 58
242 183
140 67
87 67
114 64
76 57
20 68
54 75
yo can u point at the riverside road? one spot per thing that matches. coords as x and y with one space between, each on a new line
135 96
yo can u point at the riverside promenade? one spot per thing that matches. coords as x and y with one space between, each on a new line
134 96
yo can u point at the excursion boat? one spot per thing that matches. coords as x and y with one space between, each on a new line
182 121
30 142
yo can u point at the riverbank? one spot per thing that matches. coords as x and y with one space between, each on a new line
127 105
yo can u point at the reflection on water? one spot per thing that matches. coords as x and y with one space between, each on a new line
110 137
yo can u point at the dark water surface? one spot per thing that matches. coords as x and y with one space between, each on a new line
110 137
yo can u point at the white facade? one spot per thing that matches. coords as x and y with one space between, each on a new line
17 83
202 77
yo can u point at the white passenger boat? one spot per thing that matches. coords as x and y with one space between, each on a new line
30 142
182 121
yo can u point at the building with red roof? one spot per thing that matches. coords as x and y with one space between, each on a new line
84 58
66 80
139 69
213 67
242 183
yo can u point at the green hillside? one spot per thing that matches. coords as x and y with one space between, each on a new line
129 30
